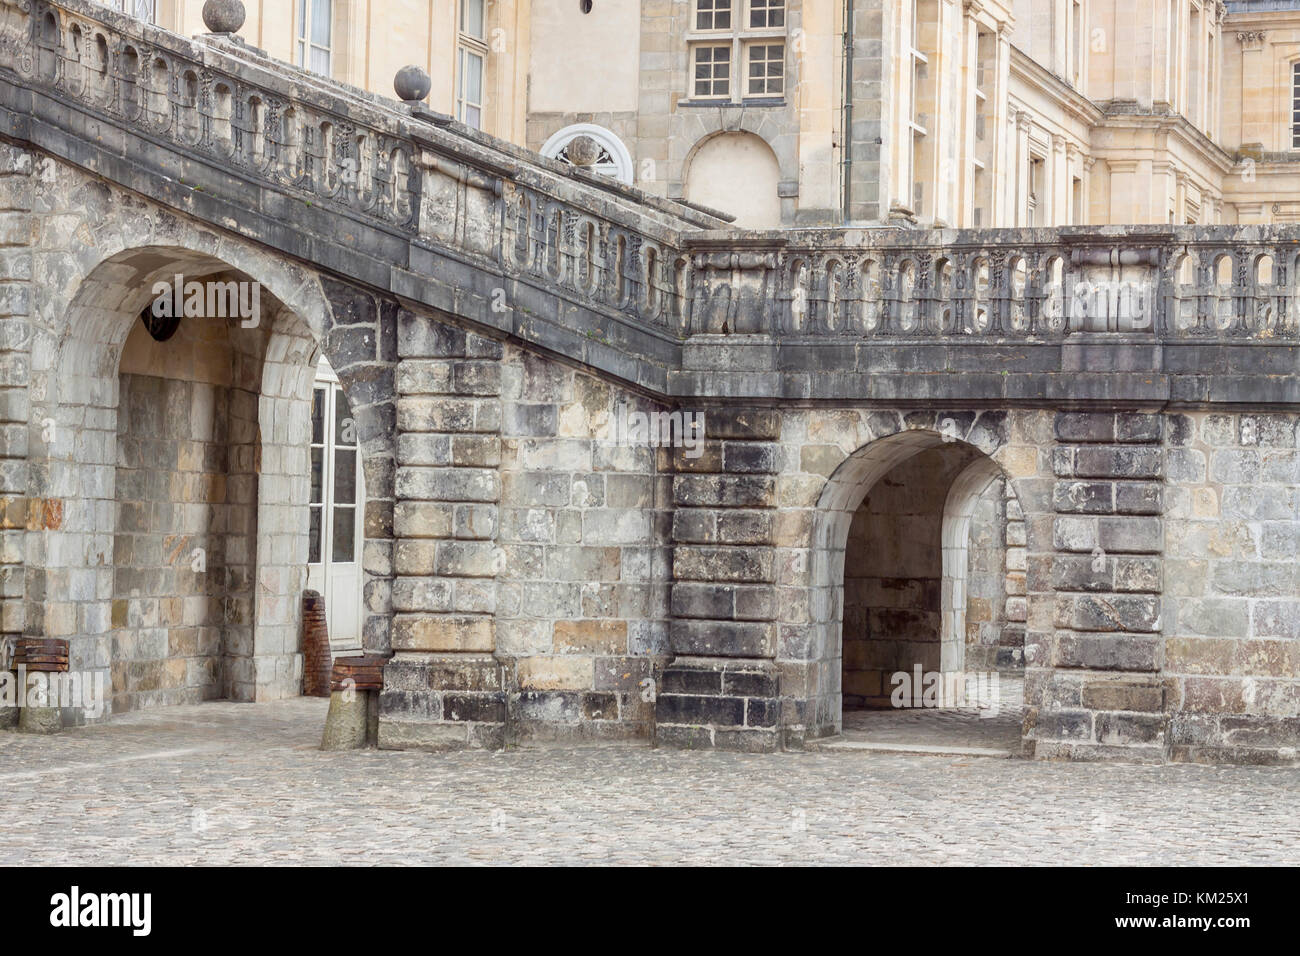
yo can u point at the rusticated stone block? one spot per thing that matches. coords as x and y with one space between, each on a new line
1130 729
1085 427
1123 693
443 633
590 637
755 424
1121 652
1087 612
1118 461
722 638
724 491
694 563
1084 497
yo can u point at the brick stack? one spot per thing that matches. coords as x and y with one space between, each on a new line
315 646
42 655
364 671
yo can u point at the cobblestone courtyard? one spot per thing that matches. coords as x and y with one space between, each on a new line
229 783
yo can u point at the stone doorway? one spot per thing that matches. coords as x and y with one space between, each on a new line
932 603
175 469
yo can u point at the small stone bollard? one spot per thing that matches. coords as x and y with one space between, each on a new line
39 656
40 720
353 718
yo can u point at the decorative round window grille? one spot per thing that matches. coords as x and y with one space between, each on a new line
591 147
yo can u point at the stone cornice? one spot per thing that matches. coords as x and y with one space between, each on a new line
1074 103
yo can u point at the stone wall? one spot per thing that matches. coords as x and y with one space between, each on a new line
531 555
1105 694
1232 586
16 232
995 608
169 550
530 584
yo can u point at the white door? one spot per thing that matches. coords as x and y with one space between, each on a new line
337 510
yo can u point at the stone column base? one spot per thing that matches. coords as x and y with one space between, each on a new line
719 703
442 702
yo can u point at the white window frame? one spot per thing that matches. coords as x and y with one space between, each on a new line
742 39
766 80
471 47
1295 104
325 572
621 168
303 45
915 197
713 79
712 8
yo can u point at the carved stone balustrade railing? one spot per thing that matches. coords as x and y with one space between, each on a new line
621 255
1194 282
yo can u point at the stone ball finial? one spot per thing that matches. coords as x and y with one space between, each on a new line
582 151
412 84
223 16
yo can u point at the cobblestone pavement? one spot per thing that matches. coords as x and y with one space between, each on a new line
992 729
239 784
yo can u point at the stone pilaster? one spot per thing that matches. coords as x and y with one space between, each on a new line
15 338
1105 695
443 687
721 688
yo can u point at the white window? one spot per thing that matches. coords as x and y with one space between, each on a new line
712 72
917 76
748 61
766 14
1035 183
766 69
1295 105
315 30
471 62
140 9
334 534
713 14
613 159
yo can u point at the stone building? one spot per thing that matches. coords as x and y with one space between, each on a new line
1053 447
819 112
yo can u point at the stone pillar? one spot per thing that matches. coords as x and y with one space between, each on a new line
1058 183
1020 171
1105 694
867 141
721 690
443 687
1011 640
15 337
1002 175
1258 92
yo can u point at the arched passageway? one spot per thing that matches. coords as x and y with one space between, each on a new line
176 474
927 569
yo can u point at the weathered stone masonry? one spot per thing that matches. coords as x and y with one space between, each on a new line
488 312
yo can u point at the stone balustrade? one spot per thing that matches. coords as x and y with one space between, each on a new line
658 266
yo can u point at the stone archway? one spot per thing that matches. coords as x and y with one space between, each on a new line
738 173
979 449
171 480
